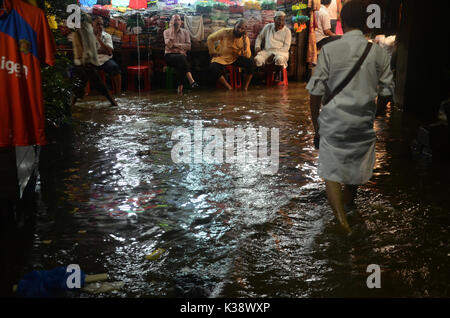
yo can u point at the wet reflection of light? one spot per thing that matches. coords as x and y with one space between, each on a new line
125 207
310 171
376 126
381 155
199 199
120 239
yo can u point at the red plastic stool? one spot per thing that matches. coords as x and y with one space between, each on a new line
270 76
138 70
234 74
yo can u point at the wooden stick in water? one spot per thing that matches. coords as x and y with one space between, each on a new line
95 278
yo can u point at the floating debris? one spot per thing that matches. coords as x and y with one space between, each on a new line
155 254
75 210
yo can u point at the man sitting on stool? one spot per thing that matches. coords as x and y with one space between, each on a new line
105 52
178 41
234 49
277 41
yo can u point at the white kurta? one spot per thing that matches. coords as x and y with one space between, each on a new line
347 137
276 42
107 39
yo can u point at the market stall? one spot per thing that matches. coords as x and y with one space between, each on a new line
137 27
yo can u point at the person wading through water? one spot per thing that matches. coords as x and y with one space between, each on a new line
344 130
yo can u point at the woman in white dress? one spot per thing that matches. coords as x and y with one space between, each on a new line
345 124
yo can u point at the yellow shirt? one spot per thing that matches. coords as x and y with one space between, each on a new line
229 49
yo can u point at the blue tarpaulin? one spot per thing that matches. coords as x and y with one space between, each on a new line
46 283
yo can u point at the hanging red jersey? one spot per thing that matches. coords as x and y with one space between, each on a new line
138 4
25 42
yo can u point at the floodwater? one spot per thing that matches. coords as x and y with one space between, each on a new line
110 194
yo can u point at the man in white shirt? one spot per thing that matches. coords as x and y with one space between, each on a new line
277 42
334 11
105 54
323 31
345 124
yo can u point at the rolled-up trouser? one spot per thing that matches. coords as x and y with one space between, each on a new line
248 64
280 58
110 67
181 65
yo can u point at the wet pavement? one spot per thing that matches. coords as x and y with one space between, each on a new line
110 194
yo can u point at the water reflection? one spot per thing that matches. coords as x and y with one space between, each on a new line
228 230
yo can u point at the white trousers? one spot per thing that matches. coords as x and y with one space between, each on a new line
280 58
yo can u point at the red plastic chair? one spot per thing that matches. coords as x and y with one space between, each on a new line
134 71
270 76
234 74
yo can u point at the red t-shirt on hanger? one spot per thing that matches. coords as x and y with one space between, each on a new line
25 42
138 4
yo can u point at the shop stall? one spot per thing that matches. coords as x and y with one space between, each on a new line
137 28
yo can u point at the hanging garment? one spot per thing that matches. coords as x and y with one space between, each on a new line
138 4
339 28
314 4
88 3
84 44
33 2
120 3
25 42
311 53
104 2
194 24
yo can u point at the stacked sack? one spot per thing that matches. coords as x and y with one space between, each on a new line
254 24
116 28
162 24
208 30
252 5
268 5
151 27
233 18
267 16
219 16
98 10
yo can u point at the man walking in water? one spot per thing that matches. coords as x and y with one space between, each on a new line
345 124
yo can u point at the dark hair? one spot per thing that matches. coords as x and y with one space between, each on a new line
354 15
325 2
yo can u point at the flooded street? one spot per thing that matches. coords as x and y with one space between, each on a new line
109 195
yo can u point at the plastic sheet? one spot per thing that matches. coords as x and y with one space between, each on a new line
46 283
